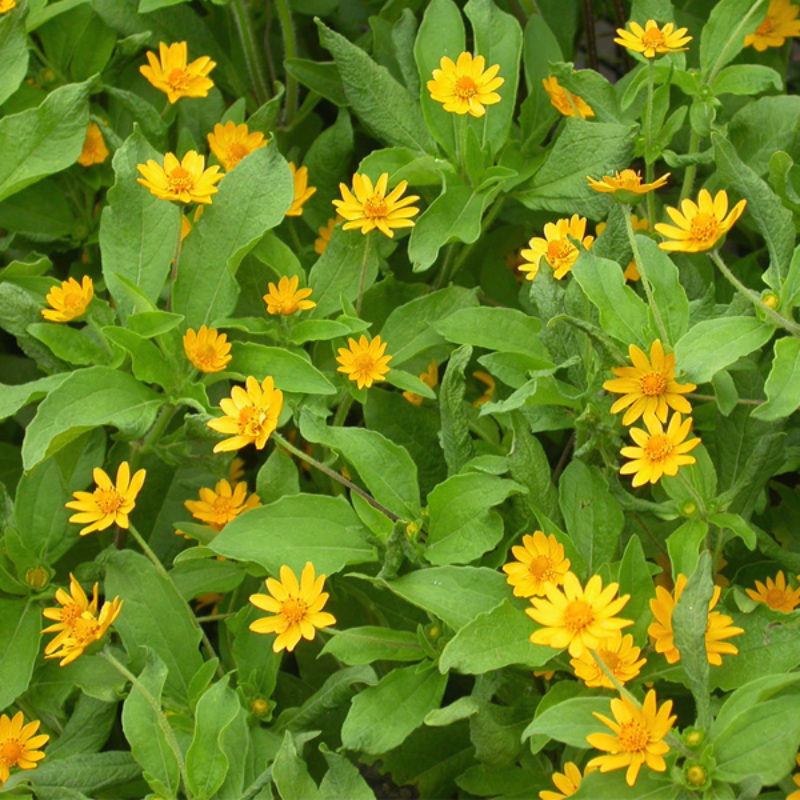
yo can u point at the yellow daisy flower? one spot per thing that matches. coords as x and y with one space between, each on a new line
207 349
302 191
297 608
626 181
85 630
325 233
539 563
465 87
557 247
796 781
430 378
186 181
701 225
286 299
73 606
109 504
638 738
19 744
718 628
567 783
577 618
631 271
652 41
5 7
619 655
565 102
173 75
488 380
368 207
230 143
659 452
779 24
68 301
218 506
776 594
251 415
94 147
363 361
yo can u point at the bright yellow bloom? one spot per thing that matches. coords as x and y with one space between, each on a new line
539 563
486 397
186 181
567 783
85 630
325 233
207 349
174 76
701 225
94 147
286 299
557 247
297 608
718 628
5 7
465 87
251 415
230 143
368 207
109 504
631 271
779 24
648 387
626 181
565 102
363 361
19 744
776 594
302 191
236 471
68 301
575 617
218 506
651 40
659 452
73 606
619 655
430 378
796 780
638 737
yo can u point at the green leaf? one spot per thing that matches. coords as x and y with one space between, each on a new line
409 383
277 477
504 329
790 291
612 786
20 639
783 382
153 126
296 529
383 716
635 580
343 779
321 77
292 372
592 87
683 546
45 140
723 35
454 436
257 664
356 646
570 721
290 773
13 398
13 52
746 79
668 293
68 778
148 362
70 344
153 323
735 524
763 130
87 729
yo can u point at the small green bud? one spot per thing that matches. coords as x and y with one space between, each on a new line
694 737
37 578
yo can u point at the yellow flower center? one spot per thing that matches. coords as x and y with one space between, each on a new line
293 610
629 179
653 37
178 79
654 384
70 613
658 447
466 87
633 736
542 568
236 152
11 751
205 355
108 500
704 227
85 630
375 207
766 27
364 363
559 251
577 616
72 300
180 180
775 598
251 421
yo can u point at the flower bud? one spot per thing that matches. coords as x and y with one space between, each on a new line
694 737
770 300
696 775
37 578
259 707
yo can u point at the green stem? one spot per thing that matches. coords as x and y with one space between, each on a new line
215 617
648 290
163 723
258 784
252 54
461 145
363 277
648 166
289 51
743 401
342 411
175 261
691 170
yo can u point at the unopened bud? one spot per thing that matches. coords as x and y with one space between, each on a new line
37 578
770 300
260 707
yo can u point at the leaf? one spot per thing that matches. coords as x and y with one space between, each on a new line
148 363
290 773
612 786
296 529
321 77
570 721
19 647
257 664
668 293
592 87
90 774
292 372
383 716
153 126
343 779
783 382
635 580
763 129
13 53
409 383
504 329
454 436
356 646
87 729
723 35
69 344
746 79
683 546
13 398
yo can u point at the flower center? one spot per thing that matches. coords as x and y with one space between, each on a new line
577 616
375 207
541 568
658 447
559 251
85 629
73 300
69 613
251 421
654 384
633 736
466 87
178 79
206 354
629 179
108 500
11 751
653 37
704 227
293 610
364 363
766 27
180 179
236 152
775 598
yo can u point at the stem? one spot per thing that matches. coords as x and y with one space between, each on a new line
744 401
252 54
648 290
281 442
175 261
461 146
691 170
215 617
341 413
363 277
649 167
777 319
289 51
169 734
258 784
591 34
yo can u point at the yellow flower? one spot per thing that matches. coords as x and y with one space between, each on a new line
486 397
464 87
557 247
209 600
297 609
325 233
5 7
626 181
251 415
575 617
565 102
218 506
207 349
236 471
73 606
19 744
371 208
84 631
68 301
638 737
109 504
567 783
796 781
659 452
779 24
363 361
718 628
648 387
302 191
174 76
776 594
651 40
94 147
539 563
701 225
430 378
286 299
230 143
631 271
186 181
619 655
